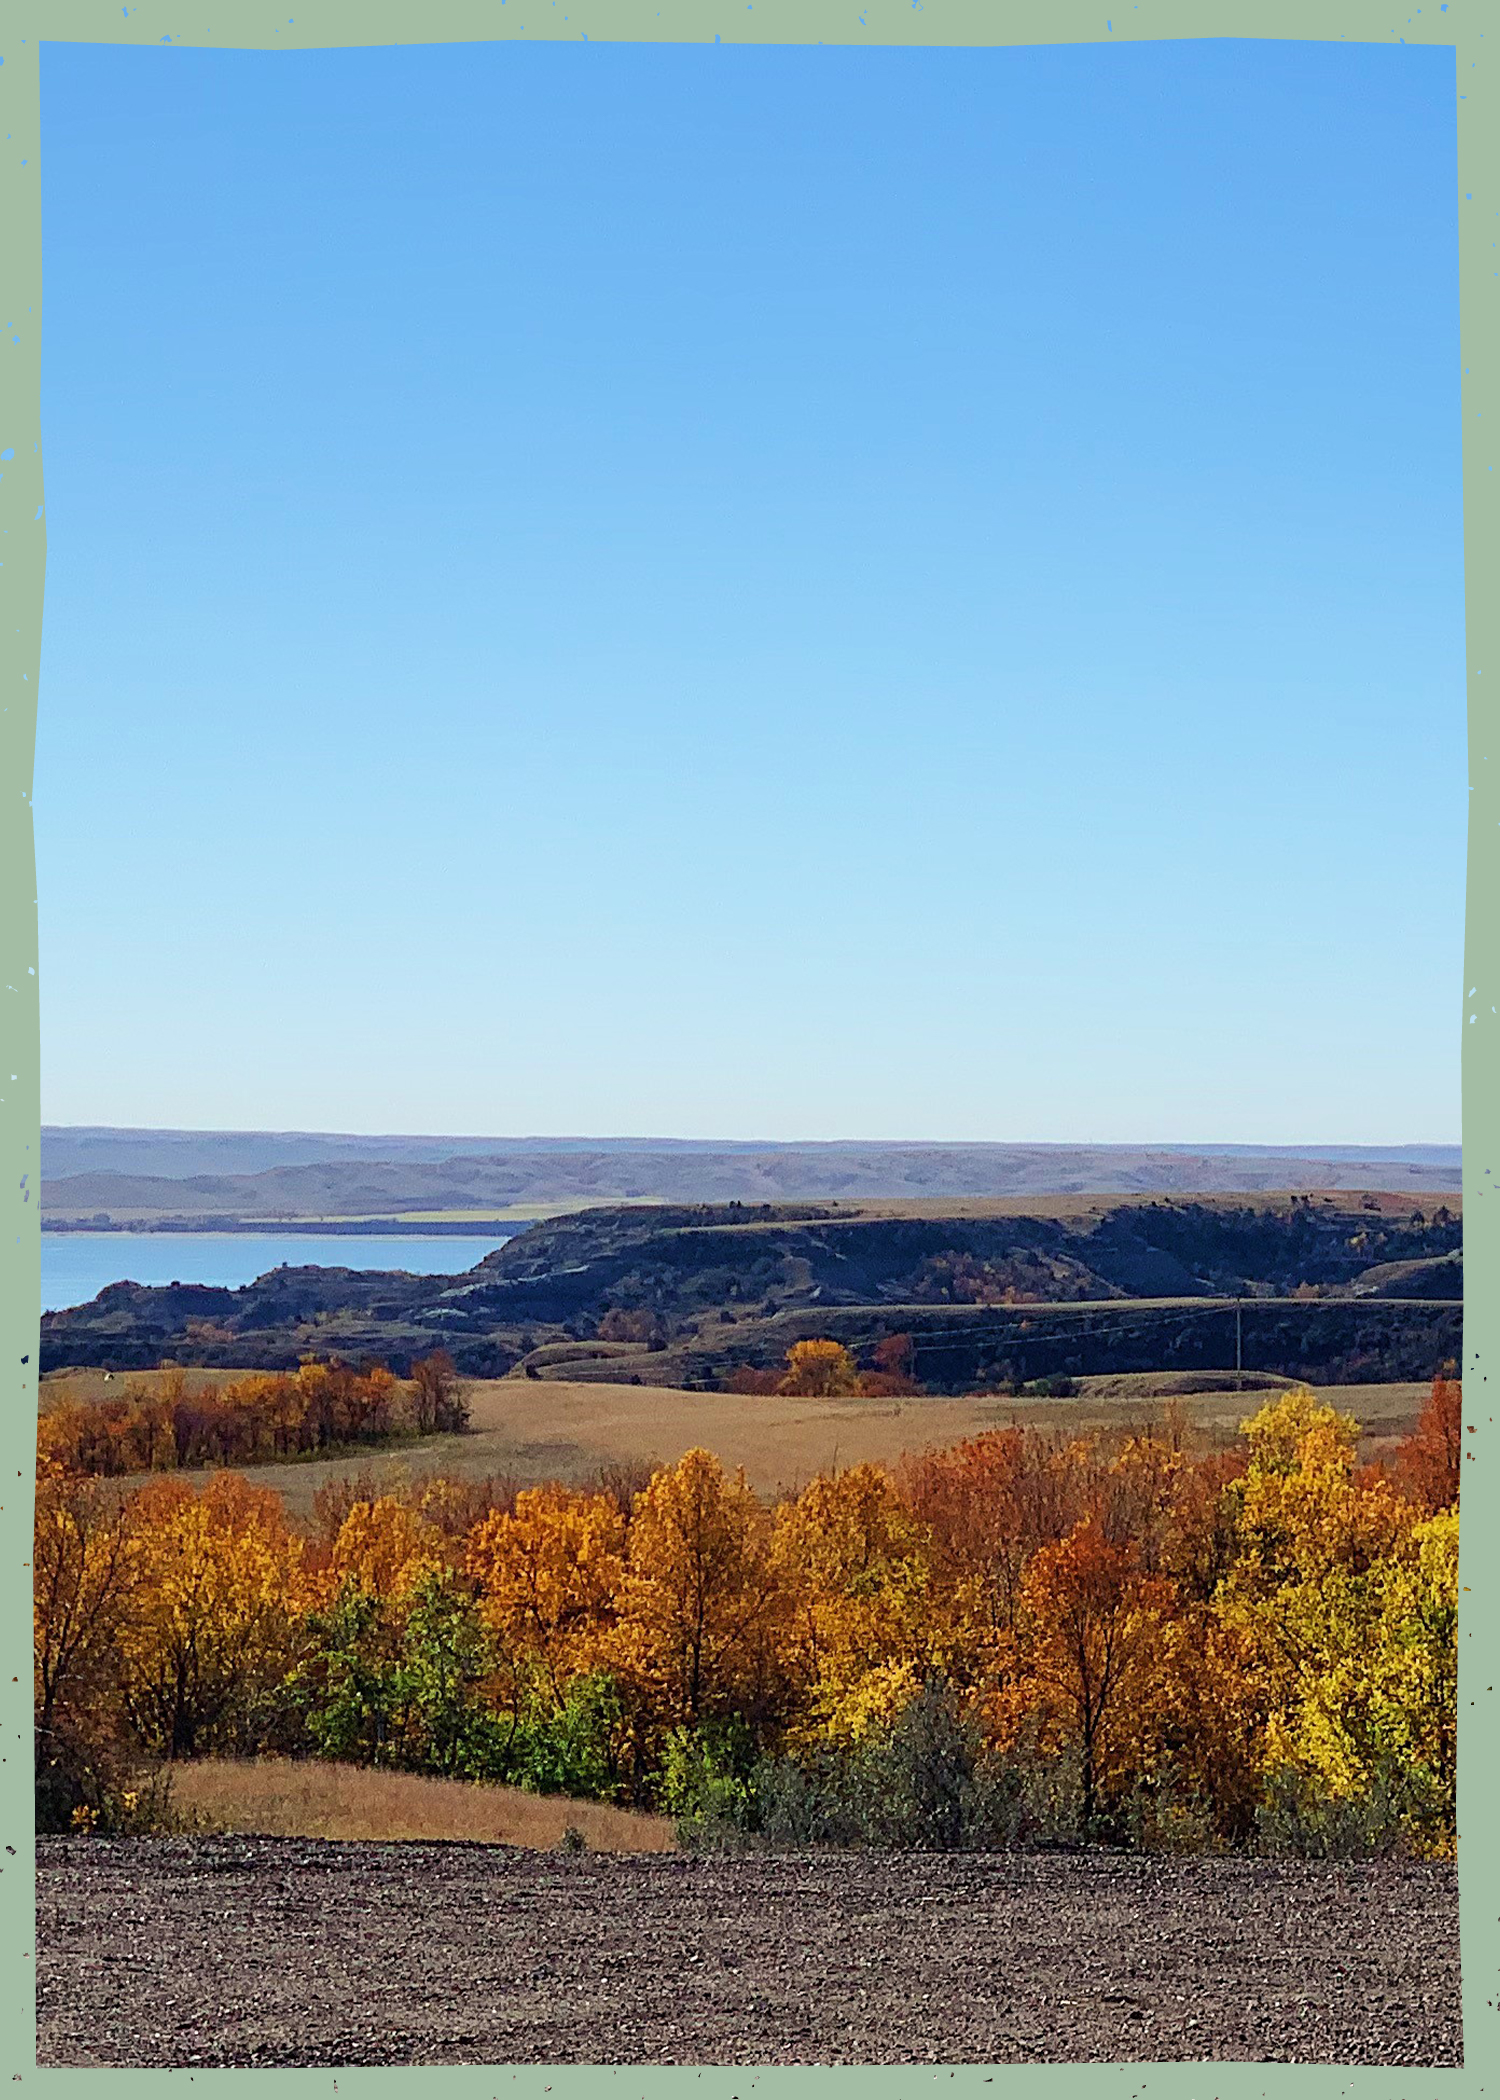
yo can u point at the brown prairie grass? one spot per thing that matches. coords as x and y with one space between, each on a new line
527 1431
90 1387
276 1797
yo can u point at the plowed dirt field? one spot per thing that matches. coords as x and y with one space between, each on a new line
254 1951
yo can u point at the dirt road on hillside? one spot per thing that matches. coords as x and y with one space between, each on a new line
253 1951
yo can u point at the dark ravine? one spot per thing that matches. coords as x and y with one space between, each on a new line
1341 1288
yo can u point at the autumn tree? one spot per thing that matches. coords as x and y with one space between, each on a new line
1348 1604
820 1370
438 1405
749 1378
980 1523
1299 1510
860 1630
892 1375
550 1573
1426 1464
212 1612
385 1548
991 1502
1414 1710
1092 1649
84 1574
454 1507
701 1600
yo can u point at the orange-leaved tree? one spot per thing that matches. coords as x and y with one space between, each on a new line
84 1573
386 1548
700 1606
1426 1464
550 1575
1092 1652
213 1612
985 1515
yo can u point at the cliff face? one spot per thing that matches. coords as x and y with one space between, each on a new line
686 1287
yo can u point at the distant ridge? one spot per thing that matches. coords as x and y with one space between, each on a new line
87 1148
88 1172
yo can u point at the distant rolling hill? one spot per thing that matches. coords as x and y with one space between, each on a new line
265 1176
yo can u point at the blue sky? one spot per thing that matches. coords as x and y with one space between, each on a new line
735 592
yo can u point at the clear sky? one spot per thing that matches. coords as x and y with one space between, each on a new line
754 593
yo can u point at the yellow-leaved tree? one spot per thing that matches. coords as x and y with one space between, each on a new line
860 1631
821 1370
1348 1602
213 1610
385 1548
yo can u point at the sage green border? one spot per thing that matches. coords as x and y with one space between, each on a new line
260 25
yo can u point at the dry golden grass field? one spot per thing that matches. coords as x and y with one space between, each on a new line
90 1387
274 1797
539 1429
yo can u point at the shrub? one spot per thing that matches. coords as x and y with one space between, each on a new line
1301 1820
706 1785
1166 1813
569 1746
806 1804
85 1785
924 1783
927 1784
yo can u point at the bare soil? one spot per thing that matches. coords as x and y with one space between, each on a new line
254 1951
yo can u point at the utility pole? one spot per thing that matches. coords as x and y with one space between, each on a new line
1239 1353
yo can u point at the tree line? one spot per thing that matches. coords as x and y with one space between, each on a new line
1022 1637
264 1416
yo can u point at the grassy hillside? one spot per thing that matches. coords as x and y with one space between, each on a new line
531 1431
275 1797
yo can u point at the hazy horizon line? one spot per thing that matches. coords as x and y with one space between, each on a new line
542 1139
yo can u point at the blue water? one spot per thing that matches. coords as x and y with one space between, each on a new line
76 1266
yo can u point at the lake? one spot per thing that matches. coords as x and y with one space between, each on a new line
76 1266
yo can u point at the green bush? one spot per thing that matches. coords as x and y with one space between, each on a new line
926 1783
812 1803
1299 1819
707 1785
570 1746
411 1698
923 1783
